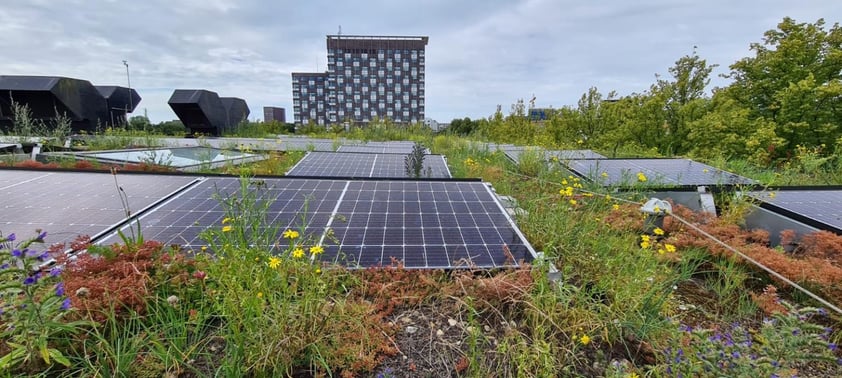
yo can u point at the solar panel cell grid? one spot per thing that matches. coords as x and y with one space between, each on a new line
343 164
425 224
67 204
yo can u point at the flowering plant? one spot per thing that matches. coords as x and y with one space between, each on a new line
32 305
781 343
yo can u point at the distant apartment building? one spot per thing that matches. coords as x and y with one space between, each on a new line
271 113
367 77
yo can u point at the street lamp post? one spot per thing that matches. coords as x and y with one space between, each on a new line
129 80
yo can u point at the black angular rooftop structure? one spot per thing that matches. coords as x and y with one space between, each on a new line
199 110
236 111
119 100
47 96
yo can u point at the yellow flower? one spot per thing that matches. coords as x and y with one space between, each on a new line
615 207
260 294
645 238
290 234
274 262
608 197
632 375
580 141
705 170
226 220
227 229
669 247
318 270
645 245
573 202
661 251
298 253
204 248
604 174
772 195
585 340
316 249
641 177
658 231
564 182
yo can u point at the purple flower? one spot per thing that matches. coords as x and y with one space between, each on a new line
30 280
55 272
41 236
4 266
832 346
11 237
685 328
822 311
17 253
65 305
796 332
60 289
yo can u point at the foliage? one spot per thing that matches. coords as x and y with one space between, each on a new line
33 306
781 344
414 161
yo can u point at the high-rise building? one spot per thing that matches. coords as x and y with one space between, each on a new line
367 77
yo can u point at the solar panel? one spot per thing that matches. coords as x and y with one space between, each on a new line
180 219
514 153
818 207
425 224
68 204
657 172
343 164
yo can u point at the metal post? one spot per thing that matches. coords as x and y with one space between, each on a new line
129 80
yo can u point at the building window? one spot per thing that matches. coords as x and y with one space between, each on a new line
364 56
364 72
347 55
356 63
380 55
397 57
356 80
406 81
356 97
406 66
340 63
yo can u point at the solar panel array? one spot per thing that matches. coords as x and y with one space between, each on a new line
345 164
657 172
819 207
425 224
68 204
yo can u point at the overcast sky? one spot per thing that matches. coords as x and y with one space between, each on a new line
481 53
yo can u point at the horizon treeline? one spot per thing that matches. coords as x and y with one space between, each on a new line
783 101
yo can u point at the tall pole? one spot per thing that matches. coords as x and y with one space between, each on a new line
129 80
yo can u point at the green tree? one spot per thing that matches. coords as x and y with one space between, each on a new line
793 80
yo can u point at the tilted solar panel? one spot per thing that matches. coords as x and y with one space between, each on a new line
653 172
364 165
68 204
821 208
424 224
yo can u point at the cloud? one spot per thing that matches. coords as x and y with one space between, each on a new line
481 53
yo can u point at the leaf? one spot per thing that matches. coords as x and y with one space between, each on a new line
45 353
58 357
